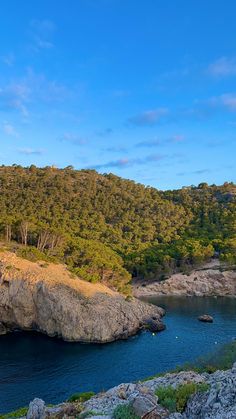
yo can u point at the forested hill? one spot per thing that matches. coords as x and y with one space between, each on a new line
103 226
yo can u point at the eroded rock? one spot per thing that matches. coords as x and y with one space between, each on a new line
217 402
205 318
210 280
37 409
49 299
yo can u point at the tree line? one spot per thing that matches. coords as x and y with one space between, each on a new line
107 228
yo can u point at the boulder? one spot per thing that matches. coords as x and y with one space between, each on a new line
154 325
3 329
158 413
37 409
205 318
144 403
64 410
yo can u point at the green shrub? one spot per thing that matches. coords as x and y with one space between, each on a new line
32 254
22 411
81 397
175 399
124 412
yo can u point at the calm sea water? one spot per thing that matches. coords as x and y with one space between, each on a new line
33 365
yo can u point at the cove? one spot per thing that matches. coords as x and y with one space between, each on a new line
34 365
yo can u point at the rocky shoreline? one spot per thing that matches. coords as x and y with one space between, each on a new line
49 299
210 280
216 400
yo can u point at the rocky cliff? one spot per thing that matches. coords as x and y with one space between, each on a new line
48 298
214 398
211 280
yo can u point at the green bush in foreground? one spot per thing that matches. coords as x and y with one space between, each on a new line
22 411
124 412
81 397
175 399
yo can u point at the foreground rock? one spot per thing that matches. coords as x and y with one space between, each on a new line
218 402
208 281
47 298
205 318
3 329
37 409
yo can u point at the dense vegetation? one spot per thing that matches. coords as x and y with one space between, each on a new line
175 399
106 228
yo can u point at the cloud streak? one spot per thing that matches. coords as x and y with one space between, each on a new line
195 172
9 130
73 138
222 67
160 142
128 162
42 32
8 59
31 89
30 151
148 118
227 101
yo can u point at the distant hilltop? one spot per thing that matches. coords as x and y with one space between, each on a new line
108 229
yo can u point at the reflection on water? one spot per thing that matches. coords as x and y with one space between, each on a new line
33 365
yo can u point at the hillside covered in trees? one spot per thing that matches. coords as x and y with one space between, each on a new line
106 228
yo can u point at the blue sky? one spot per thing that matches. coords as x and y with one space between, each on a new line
144 89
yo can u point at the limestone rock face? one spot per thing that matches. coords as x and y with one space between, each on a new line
144 403
49 299
3 329
210 280
37 410
217 402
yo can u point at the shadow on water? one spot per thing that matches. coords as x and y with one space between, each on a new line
34 365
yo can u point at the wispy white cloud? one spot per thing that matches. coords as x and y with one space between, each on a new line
150 117
115 149
227 101
9 129
8 59
195 172
15 95
222 67
128 162
176 138
73 138
33 88
41 34
30 151
105 132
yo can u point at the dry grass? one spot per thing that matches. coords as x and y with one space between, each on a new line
13 267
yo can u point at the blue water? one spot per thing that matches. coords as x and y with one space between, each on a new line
34 365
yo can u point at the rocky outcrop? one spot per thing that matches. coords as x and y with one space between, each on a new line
217 402
48 298
3 329
208 281
205 318
37 409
